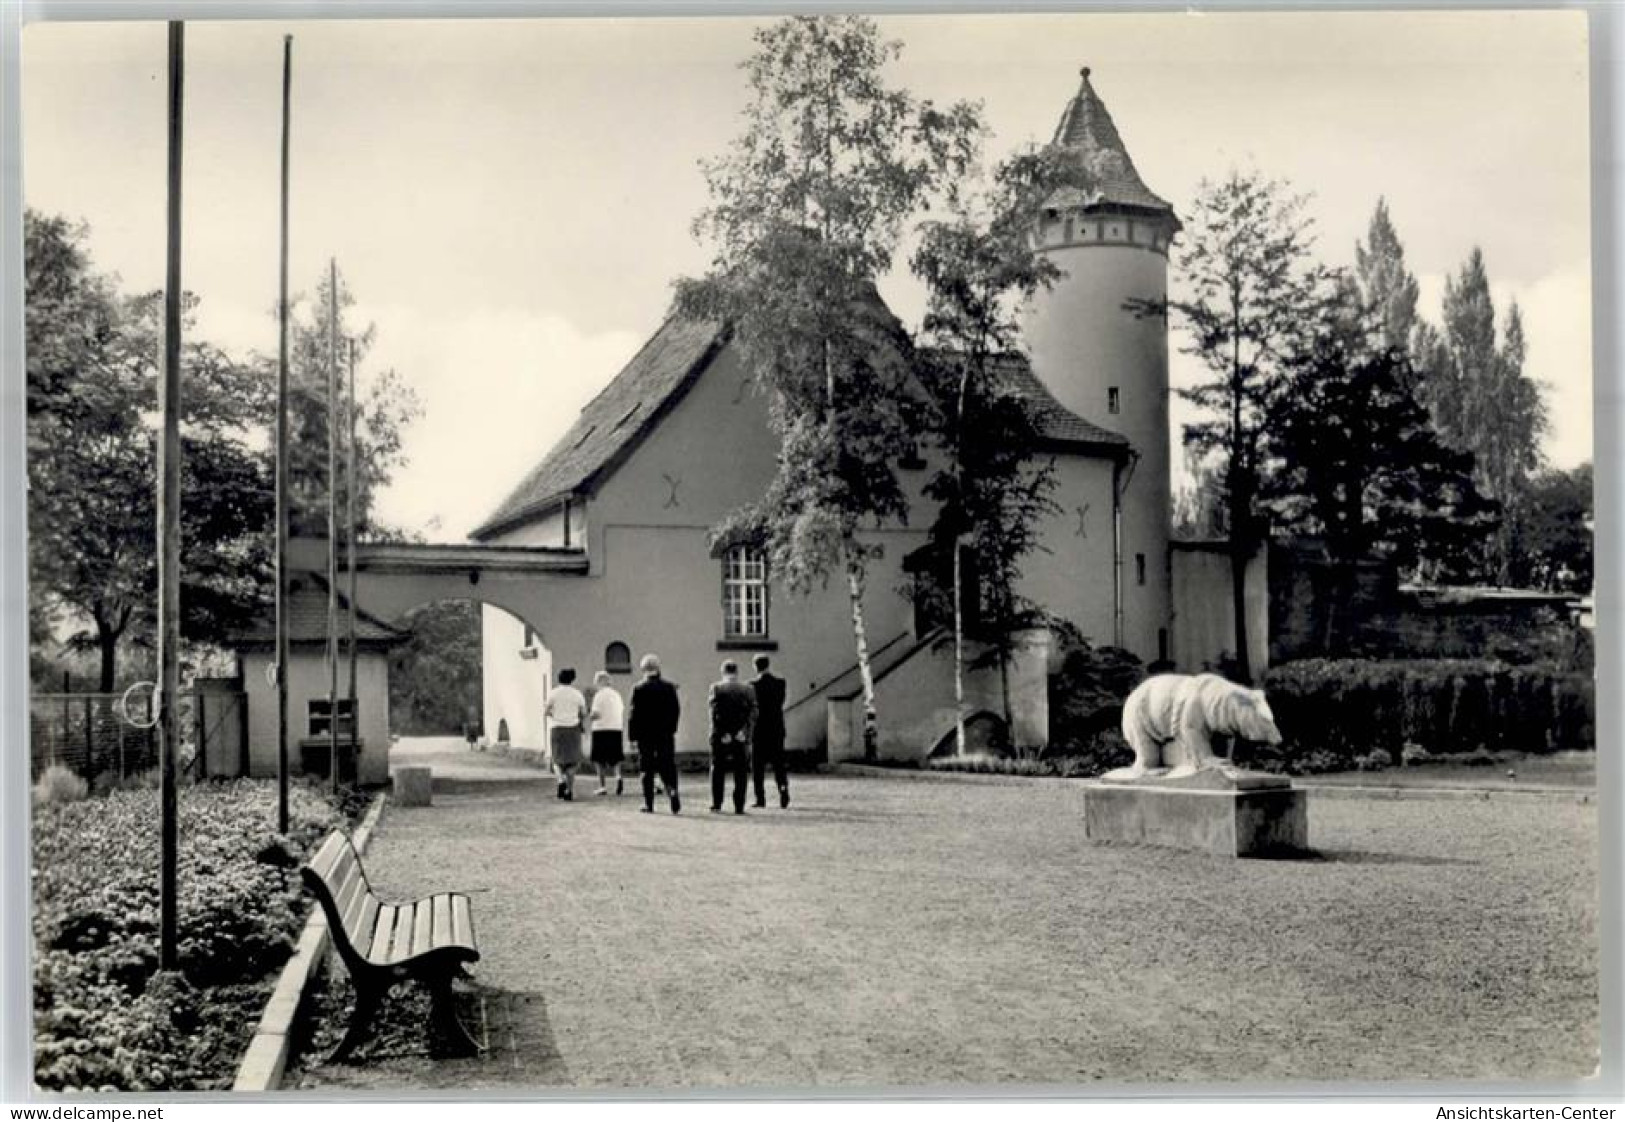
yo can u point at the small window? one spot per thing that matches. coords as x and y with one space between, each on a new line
1114 400
584 437
1139 568
629 414
744 593
618 658
317 718
530 636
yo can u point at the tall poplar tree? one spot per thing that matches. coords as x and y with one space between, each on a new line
807 208
1483 403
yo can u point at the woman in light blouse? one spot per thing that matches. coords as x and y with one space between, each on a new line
608 724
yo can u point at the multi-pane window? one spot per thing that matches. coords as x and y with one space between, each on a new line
318 718
744 593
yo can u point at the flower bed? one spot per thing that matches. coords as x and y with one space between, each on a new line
105 1017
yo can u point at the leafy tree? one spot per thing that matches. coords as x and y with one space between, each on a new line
385 408
1251 296
1355 459
434 677
992 493
1555 545
1482 402
806 212
92 401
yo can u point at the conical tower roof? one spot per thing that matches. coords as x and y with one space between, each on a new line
1101 172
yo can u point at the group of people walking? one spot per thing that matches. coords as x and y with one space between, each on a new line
747 733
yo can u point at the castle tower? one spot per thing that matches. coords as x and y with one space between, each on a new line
1101 355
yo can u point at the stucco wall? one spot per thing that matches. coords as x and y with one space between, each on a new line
1072 574
307 679
1083 341
513 688
1204 628
916 701
550 529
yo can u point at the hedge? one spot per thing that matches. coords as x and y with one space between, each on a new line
105 1017
1333 711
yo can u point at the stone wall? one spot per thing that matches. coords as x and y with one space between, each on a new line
1319 609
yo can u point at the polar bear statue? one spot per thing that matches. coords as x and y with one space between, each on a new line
1168 719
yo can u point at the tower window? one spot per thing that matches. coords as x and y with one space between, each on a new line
1139 568
1114 400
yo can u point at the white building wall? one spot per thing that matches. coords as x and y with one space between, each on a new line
513 687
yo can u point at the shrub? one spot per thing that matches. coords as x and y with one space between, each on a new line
103 1015
1086 695
57 785
1349 708
1374 760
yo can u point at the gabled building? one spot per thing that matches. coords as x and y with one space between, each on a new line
681 437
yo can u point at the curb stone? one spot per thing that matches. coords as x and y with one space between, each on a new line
1318 790
266 1058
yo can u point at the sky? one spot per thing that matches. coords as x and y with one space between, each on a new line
510 201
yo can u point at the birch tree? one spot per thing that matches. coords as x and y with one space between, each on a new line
807 208
978 266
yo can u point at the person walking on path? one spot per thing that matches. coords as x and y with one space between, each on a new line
608 711
733 712
767 739
566 710
651 726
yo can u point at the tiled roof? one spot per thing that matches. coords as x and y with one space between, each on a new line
611 423
1104 173
307 617
1056 423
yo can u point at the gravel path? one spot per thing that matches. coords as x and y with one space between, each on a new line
888 932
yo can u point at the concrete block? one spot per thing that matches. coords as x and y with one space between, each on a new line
1239 822
412 786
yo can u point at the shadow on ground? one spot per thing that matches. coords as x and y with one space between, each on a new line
514 1030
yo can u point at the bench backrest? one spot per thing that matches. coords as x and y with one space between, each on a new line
335 877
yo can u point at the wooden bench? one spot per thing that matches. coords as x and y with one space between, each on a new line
429 941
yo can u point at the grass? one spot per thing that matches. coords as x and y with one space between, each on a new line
890 932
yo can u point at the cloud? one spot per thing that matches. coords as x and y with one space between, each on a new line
498 388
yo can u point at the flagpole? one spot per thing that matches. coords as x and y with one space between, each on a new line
332 522
282 614
349 499
169 520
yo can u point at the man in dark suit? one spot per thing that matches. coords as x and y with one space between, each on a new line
733 713
651 729
767 741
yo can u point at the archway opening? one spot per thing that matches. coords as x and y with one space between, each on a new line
469 669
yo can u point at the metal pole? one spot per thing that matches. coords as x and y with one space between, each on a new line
169 516
349 538
281 665
332 522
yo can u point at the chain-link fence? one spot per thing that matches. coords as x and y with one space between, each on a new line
102 736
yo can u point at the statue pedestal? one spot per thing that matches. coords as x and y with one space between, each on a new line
1221 811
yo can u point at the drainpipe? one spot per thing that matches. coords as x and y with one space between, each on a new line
1122 472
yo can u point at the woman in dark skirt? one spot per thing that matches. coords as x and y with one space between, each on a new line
608 723
566 712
